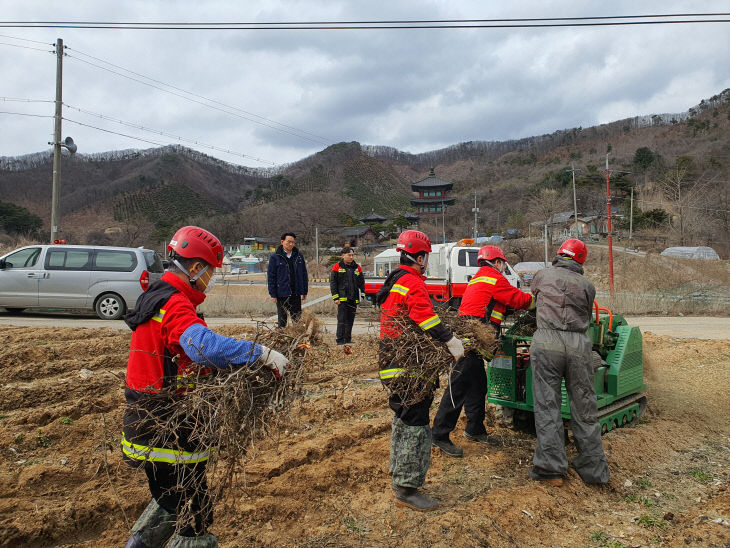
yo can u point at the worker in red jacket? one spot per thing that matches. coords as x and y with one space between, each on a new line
404 294
486 298
171 346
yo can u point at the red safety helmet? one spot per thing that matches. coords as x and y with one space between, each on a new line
413 241
490 253
575 249
192 242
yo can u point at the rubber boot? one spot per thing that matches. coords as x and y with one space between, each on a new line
153 528
203 541
411 497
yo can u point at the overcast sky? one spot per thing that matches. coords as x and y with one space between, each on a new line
415 90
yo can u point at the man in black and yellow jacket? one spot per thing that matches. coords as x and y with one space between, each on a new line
347 286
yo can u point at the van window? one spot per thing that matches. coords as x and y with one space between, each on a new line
24 258
68 259
115 261
154 262
468 257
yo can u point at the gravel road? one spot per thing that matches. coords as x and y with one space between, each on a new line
691 327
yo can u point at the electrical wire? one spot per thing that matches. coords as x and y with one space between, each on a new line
297 130
165 134
294 134
26 39
26 114
24 47
163 144
22 100
383 22
382 25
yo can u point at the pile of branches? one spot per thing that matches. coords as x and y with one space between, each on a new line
223 411
526 324
424 359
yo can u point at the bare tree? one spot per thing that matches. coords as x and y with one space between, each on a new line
685 193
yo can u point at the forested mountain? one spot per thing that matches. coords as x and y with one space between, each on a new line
679 166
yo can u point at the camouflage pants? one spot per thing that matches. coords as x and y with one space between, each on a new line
556 355
410 443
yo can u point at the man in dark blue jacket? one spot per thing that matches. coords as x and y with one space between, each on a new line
287 277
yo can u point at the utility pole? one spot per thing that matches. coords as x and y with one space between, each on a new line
316 244
475 209
56 189
443 221
575 202
68 144
631 213
546 248
610 229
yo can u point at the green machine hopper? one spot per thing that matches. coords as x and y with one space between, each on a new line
617 363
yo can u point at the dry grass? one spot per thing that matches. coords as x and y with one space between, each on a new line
653 284
238 300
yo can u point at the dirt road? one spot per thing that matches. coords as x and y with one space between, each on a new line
324 481
694 327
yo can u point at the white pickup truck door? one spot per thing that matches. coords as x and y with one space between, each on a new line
19 278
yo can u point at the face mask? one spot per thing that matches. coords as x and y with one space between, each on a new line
424 266
211 284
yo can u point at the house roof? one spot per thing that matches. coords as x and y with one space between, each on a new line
373 217
432 182
355 231
432 201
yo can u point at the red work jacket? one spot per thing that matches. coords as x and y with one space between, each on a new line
488 295
156 341
410 296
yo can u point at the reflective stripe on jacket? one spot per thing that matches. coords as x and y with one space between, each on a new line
409 296
347 282
489 293
139 452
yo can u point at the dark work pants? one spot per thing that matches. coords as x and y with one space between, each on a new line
468 389
345 318
292 305
174 487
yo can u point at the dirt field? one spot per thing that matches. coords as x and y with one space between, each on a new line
325 481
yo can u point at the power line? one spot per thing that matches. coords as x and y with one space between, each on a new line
165 134
161 144
26 114
199 102
23 47
658 19
26 39
22 100
300 131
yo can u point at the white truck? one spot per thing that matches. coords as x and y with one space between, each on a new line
450 267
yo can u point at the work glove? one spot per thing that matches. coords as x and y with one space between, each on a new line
276 361
533 303
456 348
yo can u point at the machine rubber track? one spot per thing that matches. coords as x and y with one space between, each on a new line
622 412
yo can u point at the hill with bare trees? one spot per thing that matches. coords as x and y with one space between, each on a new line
678 166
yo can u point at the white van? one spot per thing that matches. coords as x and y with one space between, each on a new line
105 279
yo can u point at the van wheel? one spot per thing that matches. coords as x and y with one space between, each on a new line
14 310
110 306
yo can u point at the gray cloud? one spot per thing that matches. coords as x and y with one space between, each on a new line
414 90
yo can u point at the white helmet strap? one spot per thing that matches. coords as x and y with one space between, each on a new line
192 279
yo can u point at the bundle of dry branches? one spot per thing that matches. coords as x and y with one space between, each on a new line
223 412
424 359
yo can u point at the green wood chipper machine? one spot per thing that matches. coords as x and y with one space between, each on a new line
617 363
